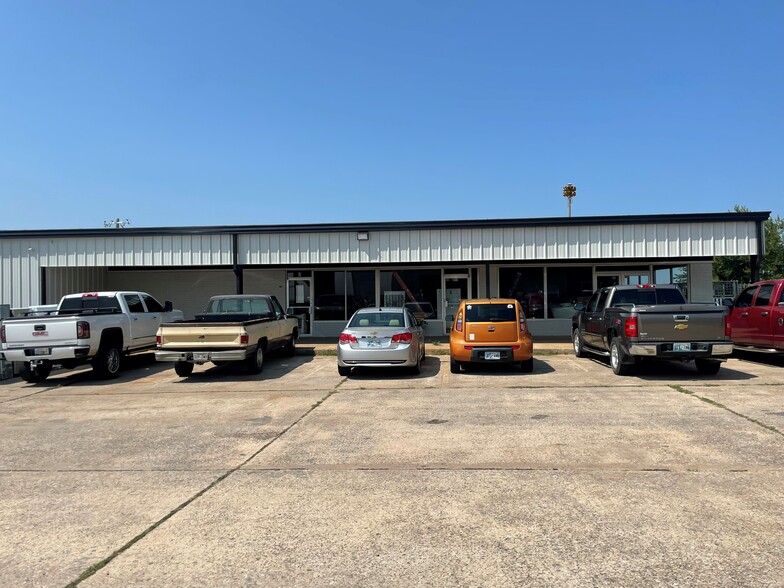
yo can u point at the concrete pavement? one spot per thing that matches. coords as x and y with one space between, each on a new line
568 476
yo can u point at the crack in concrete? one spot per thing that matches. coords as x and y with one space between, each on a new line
712 402
107 560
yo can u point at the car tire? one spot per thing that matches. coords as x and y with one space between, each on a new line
577 344
417 369
290 348
255 361
707 367
344 371
183 368
454 366
527 366
617 359
107 363
35 375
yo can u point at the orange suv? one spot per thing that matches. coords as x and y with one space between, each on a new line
490 330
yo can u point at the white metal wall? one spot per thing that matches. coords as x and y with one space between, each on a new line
662 241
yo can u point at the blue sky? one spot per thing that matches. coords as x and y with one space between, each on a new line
223 113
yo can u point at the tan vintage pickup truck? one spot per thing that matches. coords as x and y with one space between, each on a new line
233 328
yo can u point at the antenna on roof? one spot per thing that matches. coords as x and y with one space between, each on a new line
116 223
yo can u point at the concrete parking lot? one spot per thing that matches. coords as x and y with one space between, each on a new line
569 476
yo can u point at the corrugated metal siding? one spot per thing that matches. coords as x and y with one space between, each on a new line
272 282
701 281
61 281
502 244
20 274
189 290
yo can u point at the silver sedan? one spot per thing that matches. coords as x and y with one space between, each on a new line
381 337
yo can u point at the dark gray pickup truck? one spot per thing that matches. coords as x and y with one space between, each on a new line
632 323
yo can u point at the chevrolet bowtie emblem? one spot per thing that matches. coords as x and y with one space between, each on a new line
681 327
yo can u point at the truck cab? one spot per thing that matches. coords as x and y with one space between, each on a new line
757 318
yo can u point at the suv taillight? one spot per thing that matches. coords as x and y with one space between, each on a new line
459 323
347 338
523 325
2 334
727 326
82 330
402 338
630 326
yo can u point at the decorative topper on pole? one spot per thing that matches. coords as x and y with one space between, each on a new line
116 223
569 192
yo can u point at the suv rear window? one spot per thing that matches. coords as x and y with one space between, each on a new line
490 313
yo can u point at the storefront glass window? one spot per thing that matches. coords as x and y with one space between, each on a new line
339 294
566 286
526 284
678 275
420 288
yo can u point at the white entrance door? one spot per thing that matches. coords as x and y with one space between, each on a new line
456 288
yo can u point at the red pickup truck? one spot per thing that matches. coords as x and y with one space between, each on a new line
757 318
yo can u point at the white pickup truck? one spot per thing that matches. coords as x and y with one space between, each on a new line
95 327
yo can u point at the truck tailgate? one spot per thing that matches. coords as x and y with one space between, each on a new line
681 323
45 331
199 335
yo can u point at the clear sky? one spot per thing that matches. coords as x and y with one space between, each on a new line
259 112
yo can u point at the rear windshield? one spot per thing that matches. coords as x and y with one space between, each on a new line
490 313
648 296
240 305
377 319
102 303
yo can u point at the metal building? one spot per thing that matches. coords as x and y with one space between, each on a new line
322 272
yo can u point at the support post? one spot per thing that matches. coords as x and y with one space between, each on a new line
238 282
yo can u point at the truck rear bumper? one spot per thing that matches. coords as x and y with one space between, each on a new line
671 351
201 356
50 354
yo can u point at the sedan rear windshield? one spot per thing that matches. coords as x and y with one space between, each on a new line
490 313
377 319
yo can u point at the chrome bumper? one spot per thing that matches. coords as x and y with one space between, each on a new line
700 349
201 356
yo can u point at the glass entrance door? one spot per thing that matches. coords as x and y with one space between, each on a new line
456 288
299 303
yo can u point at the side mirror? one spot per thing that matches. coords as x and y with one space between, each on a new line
579 307
727 302
167 306
290 311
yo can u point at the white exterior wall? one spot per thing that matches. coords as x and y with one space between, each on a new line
69 280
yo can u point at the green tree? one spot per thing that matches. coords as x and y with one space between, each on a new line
738 268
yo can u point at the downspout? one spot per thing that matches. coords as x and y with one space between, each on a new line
238 285
755 259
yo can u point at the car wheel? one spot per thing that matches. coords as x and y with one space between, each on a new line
577 343
35 375
344 371
183 368
417 369
707 367
255 362
454 366
290 349
617 358
108 361
527 366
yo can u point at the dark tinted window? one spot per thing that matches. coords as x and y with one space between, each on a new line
490 313
152 304
592 302
91 302
745 297
763 297
602 300
647 296
134 303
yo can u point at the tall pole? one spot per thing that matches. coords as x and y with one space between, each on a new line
569 192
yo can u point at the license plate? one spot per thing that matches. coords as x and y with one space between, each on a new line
42 351
200 357
374 343
681 347
492 355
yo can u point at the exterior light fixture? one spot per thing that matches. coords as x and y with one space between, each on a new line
569 192
363 236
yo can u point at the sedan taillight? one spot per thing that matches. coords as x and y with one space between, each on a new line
347 338
82 330
402 338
